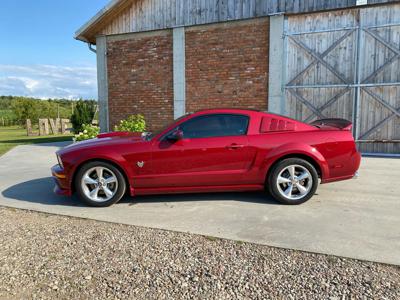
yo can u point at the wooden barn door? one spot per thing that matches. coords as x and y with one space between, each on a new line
346 64
378 128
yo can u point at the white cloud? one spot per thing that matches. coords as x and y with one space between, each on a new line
48 81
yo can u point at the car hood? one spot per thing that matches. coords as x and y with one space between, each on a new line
111 138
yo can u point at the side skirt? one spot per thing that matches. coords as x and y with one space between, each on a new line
334 179
197 189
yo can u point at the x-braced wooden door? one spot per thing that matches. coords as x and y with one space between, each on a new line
346 64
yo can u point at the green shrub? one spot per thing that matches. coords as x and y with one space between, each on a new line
134 123
83 114
88 132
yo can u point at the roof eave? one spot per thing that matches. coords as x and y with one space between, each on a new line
81 38
85 32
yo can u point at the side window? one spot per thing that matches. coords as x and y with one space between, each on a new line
215 125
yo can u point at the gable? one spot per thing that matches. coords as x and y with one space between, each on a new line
125 16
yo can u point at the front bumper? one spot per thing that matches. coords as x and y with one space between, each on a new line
62 185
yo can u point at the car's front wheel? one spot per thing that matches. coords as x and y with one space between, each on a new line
293 181
100 184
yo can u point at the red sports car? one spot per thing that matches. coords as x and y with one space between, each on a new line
211 151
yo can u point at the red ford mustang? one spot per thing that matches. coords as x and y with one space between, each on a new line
211 151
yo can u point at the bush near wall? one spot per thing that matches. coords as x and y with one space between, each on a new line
83 114
88 132
134 123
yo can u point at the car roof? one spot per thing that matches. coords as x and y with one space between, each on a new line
241 111
226 110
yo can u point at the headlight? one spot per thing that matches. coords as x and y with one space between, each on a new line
60 161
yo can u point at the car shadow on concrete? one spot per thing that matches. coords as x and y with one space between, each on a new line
253 197
41 191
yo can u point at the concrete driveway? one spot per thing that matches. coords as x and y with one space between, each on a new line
356 218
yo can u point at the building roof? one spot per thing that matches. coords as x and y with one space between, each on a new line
89 29
124 16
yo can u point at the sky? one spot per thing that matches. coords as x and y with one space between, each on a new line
39 56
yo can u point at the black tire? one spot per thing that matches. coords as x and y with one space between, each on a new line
119 191
272 180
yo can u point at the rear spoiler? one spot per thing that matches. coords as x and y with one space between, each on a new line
341 124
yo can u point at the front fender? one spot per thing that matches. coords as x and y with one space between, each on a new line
293 149
75 161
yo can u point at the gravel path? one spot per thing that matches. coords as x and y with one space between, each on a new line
47 256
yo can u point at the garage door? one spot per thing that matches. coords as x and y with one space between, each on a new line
346 64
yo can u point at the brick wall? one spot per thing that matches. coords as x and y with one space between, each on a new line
227 65
140 78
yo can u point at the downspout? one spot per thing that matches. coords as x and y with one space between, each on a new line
90 45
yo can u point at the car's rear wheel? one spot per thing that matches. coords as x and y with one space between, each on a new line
100 184
293 181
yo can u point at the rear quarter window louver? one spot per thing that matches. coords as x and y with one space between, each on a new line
272 125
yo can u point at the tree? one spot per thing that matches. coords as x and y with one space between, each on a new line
25 109
83 114
17 109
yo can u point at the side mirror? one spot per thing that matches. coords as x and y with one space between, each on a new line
175 136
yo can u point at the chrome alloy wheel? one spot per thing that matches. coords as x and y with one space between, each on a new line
99 184
294 182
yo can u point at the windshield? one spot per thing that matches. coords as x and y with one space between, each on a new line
150 135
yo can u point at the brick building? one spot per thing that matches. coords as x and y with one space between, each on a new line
165 58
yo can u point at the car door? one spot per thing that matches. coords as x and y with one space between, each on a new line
214 150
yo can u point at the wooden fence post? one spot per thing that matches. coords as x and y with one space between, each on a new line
28 127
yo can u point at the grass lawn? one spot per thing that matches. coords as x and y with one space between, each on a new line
14 135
